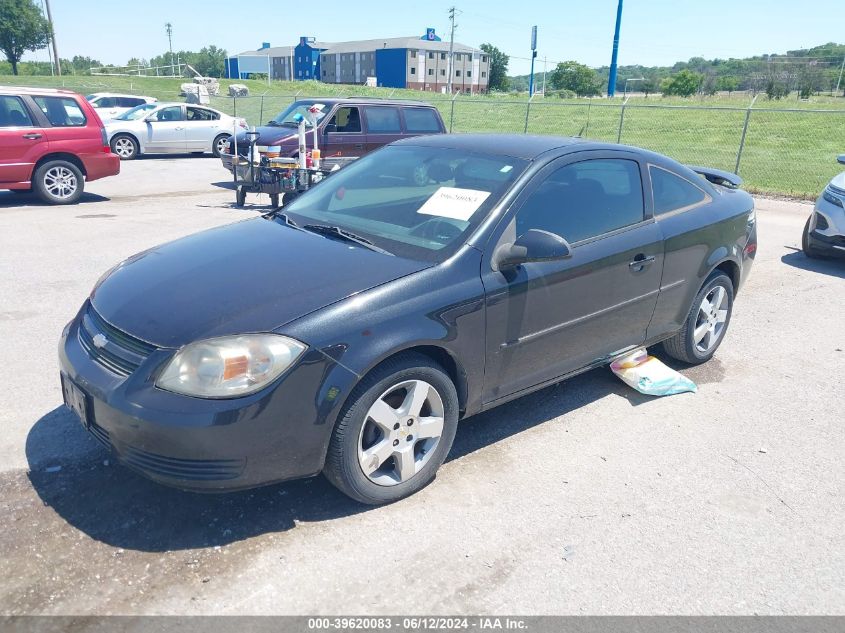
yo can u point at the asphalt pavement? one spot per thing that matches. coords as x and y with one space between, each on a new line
585 497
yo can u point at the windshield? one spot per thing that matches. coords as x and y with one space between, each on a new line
287 118
138 112
416 202
90 97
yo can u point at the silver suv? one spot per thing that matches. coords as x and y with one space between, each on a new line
824 233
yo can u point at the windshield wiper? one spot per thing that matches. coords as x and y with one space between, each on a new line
277 213
343 234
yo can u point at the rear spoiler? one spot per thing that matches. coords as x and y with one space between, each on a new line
718 177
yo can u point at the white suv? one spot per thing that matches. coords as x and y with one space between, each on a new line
110 105
824 233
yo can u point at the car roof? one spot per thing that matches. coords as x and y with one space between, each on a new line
527 146
119 94
35 90
368 101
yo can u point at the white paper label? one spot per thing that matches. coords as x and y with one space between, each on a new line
451 202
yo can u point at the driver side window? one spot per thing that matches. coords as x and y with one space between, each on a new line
346 120
172 113
585 199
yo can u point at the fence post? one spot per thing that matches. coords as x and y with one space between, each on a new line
744 132
234 105
587 127
452 112
527 110
622 120
261 111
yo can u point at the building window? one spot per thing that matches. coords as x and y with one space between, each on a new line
413 53
442 55
469 73
413 70
442 71
457 73
483 74
431 71
457 57
430 55
324 72
484 59
299 73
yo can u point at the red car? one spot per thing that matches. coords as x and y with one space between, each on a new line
51 141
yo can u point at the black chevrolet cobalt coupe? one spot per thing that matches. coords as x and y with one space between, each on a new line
348 332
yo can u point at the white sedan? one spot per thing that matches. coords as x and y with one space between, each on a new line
110 104
170 128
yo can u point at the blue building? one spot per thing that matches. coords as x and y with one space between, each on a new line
414 62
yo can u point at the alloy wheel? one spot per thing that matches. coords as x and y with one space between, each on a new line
710 324
60 182
400 433
124 147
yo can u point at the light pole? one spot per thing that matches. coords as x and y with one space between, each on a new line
533 57
632 79
450 65
611 80
169 27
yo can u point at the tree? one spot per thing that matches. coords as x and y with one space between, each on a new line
580 79
22 28
776 89
649 85
498 77
727 84
210 61
683 84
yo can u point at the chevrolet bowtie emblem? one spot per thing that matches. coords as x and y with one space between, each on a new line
100 340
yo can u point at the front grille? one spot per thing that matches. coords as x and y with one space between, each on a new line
192 469
121 353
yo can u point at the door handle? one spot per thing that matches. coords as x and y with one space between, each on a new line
178 128
32 136
640 262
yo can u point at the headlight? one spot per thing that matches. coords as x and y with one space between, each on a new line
230 366
827 195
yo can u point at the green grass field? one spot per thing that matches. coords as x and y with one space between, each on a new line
786 152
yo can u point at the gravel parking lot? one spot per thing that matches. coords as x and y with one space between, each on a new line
583 498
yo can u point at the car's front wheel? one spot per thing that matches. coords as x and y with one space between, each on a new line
58 182
707 322
219 145
124 146
806 245
395 431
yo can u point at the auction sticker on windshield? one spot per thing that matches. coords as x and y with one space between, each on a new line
451 202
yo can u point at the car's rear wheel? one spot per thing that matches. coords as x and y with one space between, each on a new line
58 182
124 146
806 245
395 431
219 144
708 320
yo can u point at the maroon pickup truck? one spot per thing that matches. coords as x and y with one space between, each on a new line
346 128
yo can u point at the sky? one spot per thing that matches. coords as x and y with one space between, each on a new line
654 32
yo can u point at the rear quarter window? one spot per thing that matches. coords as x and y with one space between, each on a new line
61 111
673 193
13 112
421 120
383 120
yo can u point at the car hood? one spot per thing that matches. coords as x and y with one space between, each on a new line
268 135
839 181
252 276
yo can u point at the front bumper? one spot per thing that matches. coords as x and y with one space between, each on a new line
827 225
279 433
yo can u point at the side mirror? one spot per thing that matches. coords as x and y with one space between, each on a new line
532 246
841 159
330 127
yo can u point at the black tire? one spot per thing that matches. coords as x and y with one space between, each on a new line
58 182
682 346
809 250
289 196
342 467
125 146
240 197
215 145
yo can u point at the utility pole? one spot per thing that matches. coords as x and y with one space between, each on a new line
533 57
169 27
450 65
545 60
611 81
839 81
53 39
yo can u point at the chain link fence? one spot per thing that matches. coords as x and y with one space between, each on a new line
780 151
